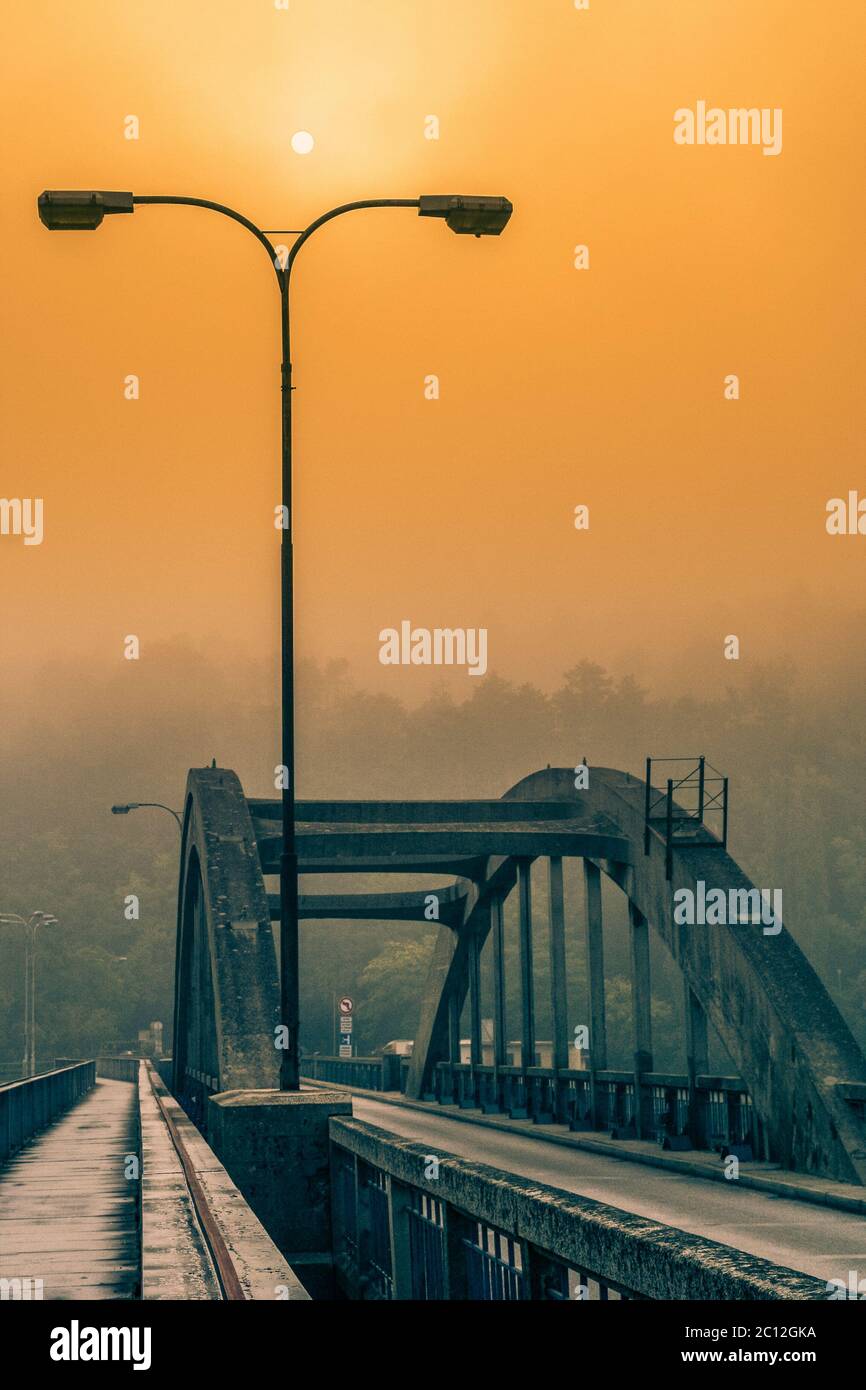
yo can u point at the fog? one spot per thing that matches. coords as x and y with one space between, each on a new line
79 736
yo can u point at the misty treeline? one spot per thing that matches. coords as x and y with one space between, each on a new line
84 737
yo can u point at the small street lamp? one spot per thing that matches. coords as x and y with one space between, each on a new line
128 806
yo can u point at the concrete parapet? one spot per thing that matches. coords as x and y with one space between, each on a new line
178 1230
643 1257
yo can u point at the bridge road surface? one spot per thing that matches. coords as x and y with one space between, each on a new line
67 1213
822 1241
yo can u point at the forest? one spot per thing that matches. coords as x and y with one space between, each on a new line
87 737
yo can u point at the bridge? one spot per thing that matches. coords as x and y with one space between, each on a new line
495 1169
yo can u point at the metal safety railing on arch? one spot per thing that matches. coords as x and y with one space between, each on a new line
678 815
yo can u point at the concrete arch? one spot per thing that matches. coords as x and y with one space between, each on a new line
785 1036
226 989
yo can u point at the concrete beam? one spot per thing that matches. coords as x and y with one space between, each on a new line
403 848
407 812
381 907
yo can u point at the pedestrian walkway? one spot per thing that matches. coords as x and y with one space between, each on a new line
68 1213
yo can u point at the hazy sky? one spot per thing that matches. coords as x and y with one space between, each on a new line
558 386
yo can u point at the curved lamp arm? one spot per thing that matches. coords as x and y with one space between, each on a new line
337 212
122 810
227 212
313 227
162 807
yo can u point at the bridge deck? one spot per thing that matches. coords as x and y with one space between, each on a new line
821 1241
67 1213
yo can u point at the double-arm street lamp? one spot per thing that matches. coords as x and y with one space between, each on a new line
30 926
468 216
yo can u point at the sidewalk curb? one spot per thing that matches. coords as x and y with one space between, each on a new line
761 1183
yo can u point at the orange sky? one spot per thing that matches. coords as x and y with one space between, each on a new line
558 386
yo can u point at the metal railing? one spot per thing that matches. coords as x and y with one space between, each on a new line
393 1240
425 1216
700 792
717 1114
118 1068
411 1225
26 1107
494 1264
112 1068
14 1071
381 1073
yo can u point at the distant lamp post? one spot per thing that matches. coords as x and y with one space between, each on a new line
30 926
128 806
477 216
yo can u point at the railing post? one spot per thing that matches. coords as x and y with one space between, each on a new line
399 1199
545 1277
647 806
456 1281
363 1231
595 973
529 1277
701 772
641 994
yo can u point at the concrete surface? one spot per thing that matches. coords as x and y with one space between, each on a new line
262 1272
175 1260
68 1216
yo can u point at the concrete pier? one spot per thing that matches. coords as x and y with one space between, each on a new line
274 1145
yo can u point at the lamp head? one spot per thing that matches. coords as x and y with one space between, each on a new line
79 210
468 216
123 810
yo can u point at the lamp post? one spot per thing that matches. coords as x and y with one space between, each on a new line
84 210
30 926
128 806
